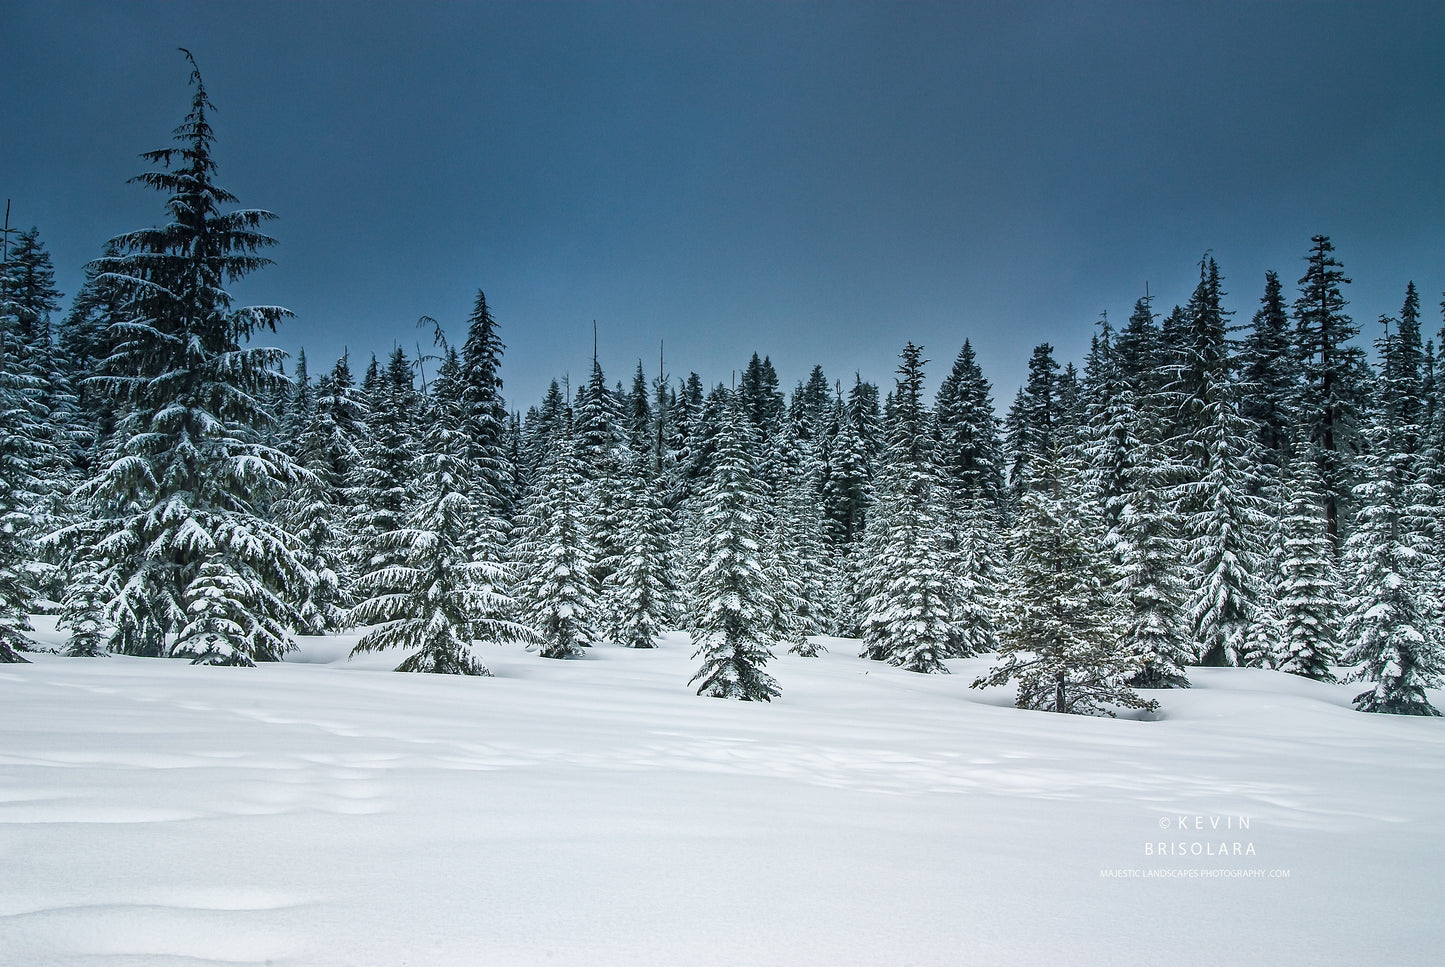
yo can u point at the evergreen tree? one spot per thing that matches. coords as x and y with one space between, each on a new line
1219 492
973 559
84 341
1148 550
639 413
1402 372
761 397
173 510
544 424
342 413
815 399
381 485
848 486
427 595
640 594
82 610
1224 524
1107 438
41 409
971 454
732 601
1308 595
555 556
485 416
1392 622
1270 376
1033 420
1334 380
911 599
1139 352
1060 638
1201 361
22 447
302 403
794 548
1393 554
598 432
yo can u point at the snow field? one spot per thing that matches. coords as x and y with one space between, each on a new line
325 811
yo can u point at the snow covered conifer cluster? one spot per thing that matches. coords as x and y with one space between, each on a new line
1197 493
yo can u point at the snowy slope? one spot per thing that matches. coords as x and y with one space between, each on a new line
596 812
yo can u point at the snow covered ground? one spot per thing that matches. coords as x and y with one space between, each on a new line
326 811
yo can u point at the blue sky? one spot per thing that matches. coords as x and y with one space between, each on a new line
817 182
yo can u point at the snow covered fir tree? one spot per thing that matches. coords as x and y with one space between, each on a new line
734 594
1194 492
174 513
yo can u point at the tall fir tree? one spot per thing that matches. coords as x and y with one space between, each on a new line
1224 524
173 510
1033 421
426 594
641 592
485 416
911 598
1270 376
1308 593
22 450
733 602
1224 516
1334 380
1060 639
1393 619
794 546
974 560
380 486
554 554
848 484
1147 546
971 453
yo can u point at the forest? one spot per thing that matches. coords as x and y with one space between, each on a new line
1199 490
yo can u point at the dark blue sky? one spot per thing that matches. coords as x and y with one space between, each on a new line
818 182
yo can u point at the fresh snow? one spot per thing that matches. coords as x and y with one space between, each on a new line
327 811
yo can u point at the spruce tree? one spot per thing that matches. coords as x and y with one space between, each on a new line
554 554
1334 381
970 454
910 605
1033 420
1148 549
1308 594
1392 622
1224 524
82 610
1139 351
974 560
173 509
1060 638
848 485
732 609
1224 516
641 592
380 486
426 594
1401 378
1270 376
485 415
794 546
22 441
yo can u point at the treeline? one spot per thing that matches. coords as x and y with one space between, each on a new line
1201 492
